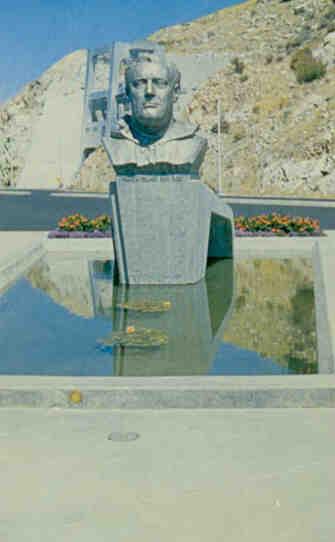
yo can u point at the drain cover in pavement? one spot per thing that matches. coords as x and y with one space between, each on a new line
123 437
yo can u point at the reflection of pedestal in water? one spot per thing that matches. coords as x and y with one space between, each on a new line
101 274
165 227
66 278
82 285
193 325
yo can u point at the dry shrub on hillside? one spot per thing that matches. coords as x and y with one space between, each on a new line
306 67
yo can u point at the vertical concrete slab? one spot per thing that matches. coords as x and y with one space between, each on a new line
324 266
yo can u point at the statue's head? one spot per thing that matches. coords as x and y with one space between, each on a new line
152 87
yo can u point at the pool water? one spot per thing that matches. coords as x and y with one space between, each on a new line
68 317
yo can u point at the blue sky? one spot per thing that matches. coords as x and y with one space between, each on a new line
36 33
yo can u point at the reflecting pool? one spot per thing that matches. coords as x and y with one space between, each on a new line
67 316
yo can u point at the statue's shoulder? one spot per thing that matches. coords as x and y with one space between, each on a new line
189 129
186 133
119 148
182 130
201 139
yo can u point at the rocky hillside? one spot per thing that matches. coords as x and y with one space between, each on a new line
278 135
20 116
277 124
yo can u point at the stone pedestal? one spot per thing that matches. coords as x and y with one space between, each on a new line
165 227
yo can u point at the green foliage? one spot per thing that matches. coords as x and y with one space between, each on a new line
306 67
238 65
224 125
238 132
331 27
136 338
327 18
145 305
304 35
310 71
303 55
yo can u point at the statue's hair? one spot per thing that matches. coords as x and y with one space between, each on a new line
146 57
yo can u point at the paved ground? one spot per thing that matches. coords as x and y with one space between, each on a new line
41 209
242 475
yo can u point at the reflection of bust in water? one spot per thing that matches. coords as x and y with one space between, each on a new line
149 140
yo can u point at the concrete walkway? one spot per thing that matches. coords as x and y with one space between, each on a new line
242 475
14 244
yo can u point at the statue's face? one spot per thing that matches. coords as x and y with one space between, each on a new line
152 94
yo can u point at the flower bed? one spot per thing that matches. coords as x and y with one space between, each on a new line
78 226
274 224
267 225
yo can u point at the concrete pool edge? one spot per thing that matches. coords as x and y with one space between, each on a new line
274 247
91 246
302 391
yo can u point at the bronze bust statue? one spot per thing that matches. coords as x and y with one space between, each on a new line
149 140
166 222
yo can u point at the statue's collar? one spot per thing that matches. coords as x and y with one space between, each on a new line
176 130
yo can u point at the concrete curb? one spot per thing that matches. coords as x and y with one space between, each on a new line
262 247
273 247
314 391
279 201
90 245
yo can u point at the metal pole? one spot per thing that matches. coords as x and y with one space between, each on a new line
12 167
219 182
89 81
